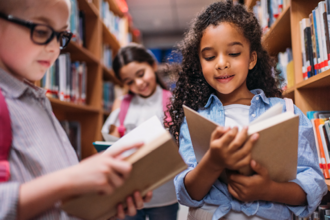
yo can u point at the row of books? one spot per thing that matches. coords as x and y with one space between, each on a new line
285 66
322 212
108 95
66 80
77 23
267 11
116 25
73 131
321 127
107 56
315 40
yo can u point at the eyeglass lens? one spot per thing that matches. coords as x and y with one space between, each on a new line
42 34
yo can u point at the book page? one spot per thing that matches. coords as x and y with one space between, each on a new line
109 137
146 132
273 111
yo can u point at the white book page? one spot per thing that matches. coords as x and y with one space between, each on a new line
146 132
109 137
273 111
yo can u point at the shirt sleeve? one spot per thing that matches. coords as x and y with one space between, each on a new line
9 195
187 152
113 119
309 175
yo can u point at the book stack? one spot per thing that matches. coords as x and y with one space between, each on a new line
285 65
107 56
73 131
77 23
108 96
267 11
321 127
116 25
315 40
66 80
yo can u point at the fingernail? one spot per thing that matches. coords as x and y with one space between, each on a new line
253 163
255 137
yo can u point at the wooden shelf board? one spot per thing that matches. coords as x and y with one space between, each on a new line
108 74
250 3
289 91
278 38
327 181
79 53
115 8
317 81
110 39
89 8
71 107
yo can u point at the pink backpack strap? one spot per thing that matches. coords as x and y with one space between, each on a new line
123 112
5 140
289 105
166 100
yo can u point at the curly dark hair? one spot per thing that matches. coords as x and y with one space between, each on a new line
192 89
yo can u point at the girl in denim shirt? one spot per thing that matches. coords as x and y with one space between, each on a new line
228 77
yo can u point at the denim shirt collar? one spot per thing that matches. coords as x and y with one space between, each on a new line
256 92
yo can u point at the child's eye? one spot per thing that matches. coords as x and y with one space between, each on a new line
234 54
141 74
209 58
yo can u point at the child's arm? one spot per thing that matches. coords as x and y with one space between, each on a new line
101 173
226 151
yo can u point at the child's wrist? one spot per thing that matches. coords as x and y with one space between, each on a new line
212 166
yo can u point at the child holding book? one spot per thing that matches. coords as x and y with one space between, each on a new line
44 167
136 67
228 77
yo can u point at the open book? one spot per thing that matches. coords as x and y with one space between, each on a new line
277 146
155 163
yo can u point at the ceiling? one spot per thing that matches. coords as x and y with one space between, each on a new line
158 17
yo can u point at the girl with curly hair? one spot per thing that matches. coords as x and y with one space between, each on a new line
228 77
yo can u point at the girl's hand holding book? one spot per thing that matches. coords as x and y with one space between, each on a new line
250 188
231 149
101 173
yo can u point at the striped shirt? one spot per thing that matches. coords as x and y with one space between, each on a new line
40 145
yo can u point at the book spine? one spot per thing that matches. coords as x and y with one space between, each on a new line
326 29
310 49
324 37
303 54
307 63
317 42
313 43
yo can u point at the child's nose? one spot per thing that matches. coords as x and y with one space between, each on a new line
222 63
53 45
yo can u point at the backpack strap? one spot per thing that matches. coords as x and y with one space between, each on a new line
123 112
166 100
5 140
289 105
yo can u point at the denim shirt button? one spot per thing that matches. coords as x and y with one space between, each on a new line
253 115
257 98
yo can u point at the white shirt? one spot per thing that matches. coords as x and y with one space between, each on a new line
140 110
236 115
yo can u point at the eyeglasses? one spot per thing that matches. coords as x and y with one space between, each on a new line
41 34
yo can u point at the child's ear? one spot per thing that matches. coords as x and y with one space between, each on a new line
253 60
155 66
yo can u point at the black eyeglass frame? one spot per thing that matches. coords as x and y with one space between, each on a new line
32 26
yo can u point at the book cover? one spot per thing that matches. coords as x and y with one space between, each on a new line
154 164
276 148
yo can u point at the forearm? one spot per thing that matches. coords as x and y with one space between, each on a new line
199 181
287 193
39 195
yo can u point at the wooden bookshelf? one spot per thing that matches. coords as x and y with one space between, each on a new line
90 116
278 37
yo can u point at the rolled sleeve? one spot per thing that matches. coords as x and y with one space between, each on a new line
309 176
187 152
9 195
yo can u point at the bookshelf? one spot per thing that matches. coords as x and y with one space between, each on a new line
310 94
91 115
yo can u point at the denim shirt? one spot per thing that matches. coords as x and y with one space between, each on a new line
309 176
